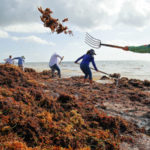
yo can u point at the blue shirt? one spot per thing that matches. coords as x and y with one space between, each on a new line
86 59
20 60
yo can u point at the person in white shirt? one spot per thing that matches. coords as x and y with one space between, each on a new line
53 64
9 60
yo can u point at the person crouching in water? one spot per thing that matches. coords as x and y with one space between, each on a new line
53 64
86 59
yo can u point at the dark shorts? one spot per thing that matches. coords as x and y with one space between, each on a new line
86 70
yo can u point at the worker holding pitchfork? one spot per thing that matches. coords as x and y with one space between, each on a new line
96 43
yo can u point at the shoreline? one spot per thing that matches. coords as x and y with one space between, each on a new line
130 69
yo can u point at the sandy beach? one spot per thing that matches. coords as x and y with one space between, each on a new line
40 112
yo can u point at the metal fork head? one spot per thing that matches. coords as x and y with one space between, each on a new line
91 41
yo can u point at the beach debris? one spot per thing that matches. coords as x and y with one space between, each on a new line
146 83
31 118
29 70
64 20
115 75
54 24
104 78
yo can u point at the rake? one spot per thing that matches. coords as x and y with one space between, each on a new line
96 43
110 75
61 60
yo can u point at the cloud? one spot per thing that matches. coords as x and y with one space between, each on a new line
33 39
23 16
82 13
135 14
27 28
3 34
18 11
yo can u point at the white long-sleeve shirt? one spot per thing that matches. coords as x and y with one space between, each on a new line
9 61
54 59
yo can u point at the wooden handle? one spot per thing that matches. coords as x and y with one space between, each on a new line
114 46
61 60
100 71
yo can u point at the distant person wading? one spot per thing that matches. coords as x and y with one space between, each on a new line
54 62
86 59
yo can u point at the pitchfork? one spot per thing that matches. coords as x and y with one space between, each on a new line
110 75
96 43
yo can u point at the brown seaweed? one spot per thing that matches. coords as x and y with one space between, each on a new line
54 24
38 112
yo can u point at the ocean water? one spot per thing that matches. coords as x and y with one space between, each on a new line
131 69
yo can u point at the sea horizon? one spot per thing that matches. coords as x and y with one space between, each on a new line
95 61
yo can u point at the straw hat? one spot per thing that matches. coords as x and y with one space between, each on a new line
22 57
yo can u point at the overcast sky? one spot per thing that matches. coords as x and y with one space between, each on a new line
120 22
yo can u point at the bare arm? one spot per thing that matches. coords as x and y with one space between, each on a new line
60 57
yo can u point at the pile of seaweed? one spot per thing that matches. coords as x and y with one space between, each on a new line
38 113
54 24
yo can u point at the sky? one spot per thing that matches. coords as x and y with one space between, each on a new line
119 22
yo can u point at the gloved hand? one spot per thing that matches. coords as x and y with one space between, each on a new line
125 48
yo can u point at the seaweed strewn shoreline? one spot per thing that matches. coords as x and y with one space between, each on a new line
38 112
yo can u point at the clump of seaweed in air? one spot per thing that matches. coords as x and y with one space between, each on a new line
54 24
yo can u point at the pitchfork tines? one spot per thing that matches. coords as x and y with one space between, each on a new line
96 43
91 41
